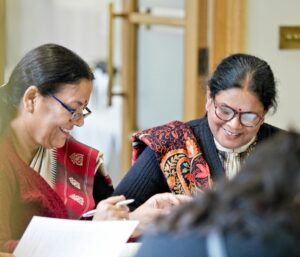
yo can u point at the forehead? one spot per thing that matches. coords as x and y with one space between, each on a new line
76 92
82 88
240 99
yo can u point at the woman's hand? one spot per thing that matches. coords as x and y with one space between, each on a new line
165 201
107 209
159 204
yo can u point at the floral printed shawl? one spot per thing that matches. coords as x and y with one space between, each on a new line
179 156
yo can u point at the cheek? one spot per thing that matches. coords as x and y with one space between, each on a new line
208 105
214 122
56 117
251 132
48 126
52 136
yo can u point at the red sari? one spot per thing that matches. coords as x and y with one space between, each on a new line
24 193
73 174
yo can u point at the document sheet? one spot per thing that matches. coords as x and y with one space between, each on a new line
49 237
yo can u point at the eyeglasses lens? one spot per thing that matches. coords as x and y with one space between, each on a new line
247 119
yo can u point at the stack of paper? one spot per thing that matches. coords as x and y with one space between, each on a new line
49 237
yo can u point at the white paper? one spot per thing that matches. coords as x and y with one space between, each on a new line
49 237
130 249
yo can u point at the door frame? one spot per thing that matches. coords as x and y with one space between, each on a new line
195 25
227 36
2 41
228 29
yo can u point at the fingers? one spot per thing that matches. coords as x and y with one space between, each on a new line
110 212
114 199
145 216
157 205
107 209
166 200
180 199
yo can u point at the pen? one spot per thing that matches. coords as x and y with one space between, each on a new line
118 204
124 202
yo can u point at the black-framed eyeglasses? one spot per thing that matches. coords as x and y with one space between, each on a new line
247 119
74 114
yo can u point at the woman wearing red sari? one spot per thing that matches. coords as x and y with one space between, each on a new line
43 170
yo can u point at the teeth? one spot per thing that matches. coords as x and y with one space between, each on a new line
231 133
65 130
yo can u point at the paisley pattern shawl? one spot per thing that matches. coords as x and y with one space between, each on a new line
178 154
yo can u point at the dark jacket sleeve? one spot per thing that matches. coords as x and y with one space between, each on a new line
175 245
143 180
275 242
101 189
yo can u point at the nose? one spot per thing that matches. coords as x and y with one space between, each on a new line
235 122
78 122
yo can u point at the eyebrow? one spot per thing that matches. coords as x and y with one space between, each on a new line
239 109
79 103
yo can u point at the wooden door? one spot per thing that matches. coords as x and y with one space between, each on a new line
228 29
226 36
2 41
192 26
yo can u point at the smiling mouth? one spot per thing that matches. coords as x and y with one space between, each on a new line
229 133
65 131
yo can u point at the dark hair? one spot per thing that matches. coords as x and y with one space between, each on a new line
266 191
233 70
48 67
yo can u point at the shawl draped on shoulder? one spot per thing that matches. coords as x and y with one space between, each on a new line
179 156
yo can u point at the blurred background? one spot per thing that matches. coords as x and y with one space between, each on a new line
151 58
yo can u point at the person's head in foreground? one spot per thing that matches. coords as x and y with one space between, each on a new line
255 214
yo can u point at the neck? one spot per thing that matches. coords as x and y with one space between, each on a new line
23 143
239 149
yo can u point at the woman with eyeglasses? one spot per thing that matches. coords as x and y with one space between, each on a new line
256 214
187 158
43 170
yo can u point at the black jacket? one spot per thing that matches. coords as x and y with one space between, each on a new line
272 242
145 179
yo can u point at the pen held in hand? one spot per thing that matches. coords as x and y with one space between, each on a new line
125 202
91 213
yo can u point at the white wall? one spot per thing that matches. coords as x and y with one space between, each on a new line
264 19
80 25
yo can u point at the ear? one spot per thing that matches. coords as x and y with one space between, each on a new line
208 99
264 116
29 98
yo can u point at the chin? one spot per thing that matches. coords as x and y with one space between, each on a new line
230 144
58 144
61 145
